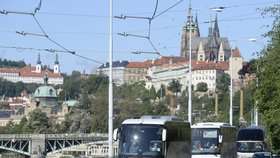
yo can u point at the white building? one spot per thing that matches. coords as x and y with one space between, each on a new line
164 74
208 72
33 74
118 71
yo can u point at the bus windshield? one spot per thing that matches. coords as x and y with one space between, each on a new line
142 140
253 146
205 141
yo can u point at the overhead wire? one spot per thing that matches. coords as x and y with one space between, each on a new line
37 11
150 23
44 33
38 7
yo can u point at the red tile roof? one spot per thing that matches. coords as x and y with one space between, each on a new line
166 60
236 53
9 70
144 64
30 71
209 65
200 65
174 65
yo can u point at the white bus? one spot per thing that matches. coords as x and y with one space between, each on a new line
154 137
250 140
214 139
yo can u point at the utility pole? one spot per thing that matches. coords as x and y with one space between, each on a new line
231 88
110 101
190 72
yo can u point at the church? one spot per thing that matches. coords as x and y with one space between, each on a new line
33 74
211 48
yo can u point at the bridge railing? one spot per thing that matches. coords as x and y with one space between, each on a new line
78 135
22 136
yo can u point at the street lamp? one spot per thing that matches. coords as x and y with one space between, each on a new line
190 73
256 113
110 101
231 87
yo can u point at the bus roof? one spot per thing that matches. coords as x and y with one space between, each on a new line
251 134
211 125
155 120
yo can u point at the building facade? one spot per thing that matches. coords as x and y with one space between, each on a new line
118 71
33 74
136 71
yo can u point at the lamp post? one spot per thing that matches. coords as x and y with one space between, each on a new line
231 87
190 73
110 101
256 113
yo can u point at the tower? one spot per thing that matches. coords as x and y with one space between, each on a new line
38 65
216 31
186 31
221 56
56 65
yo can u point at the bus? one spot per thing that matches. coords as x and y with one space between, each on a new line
214 139
154 137
250 140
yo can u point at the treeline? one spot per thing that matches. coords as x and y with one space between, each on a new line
10 63
11 89
130 101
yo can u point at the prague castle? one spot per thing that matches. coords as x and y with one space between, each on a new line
210 48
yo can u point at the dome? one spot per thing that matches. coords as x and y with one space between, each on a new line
45 91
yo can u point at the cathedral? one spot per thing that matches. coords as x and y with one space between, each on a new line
210 48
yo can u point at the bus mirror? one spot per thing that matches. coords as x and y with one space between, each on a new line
163 136
220 138
115 134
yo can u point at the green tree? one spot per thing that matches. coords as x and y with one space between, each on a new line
4 105
71 88
175 86
161 92
202 87
268 91
94 82
249 68
153 94
224 83
38 122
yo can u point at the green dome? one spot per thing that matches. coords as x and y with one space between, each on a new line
45 91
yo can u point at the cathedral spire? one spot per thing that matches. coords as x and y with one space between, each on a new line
210 28
196 25
216 31
190 18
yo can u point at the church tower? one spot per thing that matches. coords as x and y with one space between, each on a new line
38 65
216 31
186 32
56 68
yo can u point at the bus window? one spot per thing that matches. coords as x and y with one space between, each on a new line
205 140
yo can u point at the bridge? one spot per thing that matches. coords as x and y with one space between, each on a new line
34 145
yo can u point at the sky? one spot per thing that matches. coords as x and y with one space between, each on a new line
83 27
